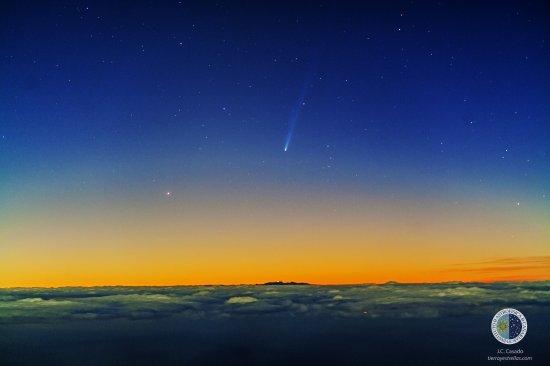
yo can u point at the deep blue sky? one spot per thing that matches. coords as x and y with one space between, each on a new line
430 98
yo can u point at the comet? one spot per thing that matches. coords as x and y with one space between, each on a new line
300 104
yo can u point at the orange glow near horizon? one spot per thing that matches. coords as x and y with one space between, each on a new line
230 241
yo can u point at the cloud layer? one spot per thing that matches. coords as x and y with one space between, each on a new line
388 300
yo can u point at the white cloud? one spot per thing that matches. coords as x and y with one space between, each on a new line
241 300
397 301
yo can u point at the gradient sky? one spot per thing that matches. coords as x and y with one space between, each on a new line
144 142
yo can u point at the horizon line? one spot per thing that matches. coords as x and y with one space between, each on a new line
285 283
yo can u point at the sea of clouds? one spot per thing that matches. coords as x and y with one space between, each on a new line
387 300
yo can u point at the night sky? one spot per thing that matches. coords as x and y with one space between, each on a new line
238 142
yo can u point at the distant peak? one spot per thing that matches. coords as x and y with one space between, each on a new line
392 283
282 283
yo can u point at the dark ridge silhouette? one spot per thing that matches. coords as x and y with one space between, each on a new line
282 283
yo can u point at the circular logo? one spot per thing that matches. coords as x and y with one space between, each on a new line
509 326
